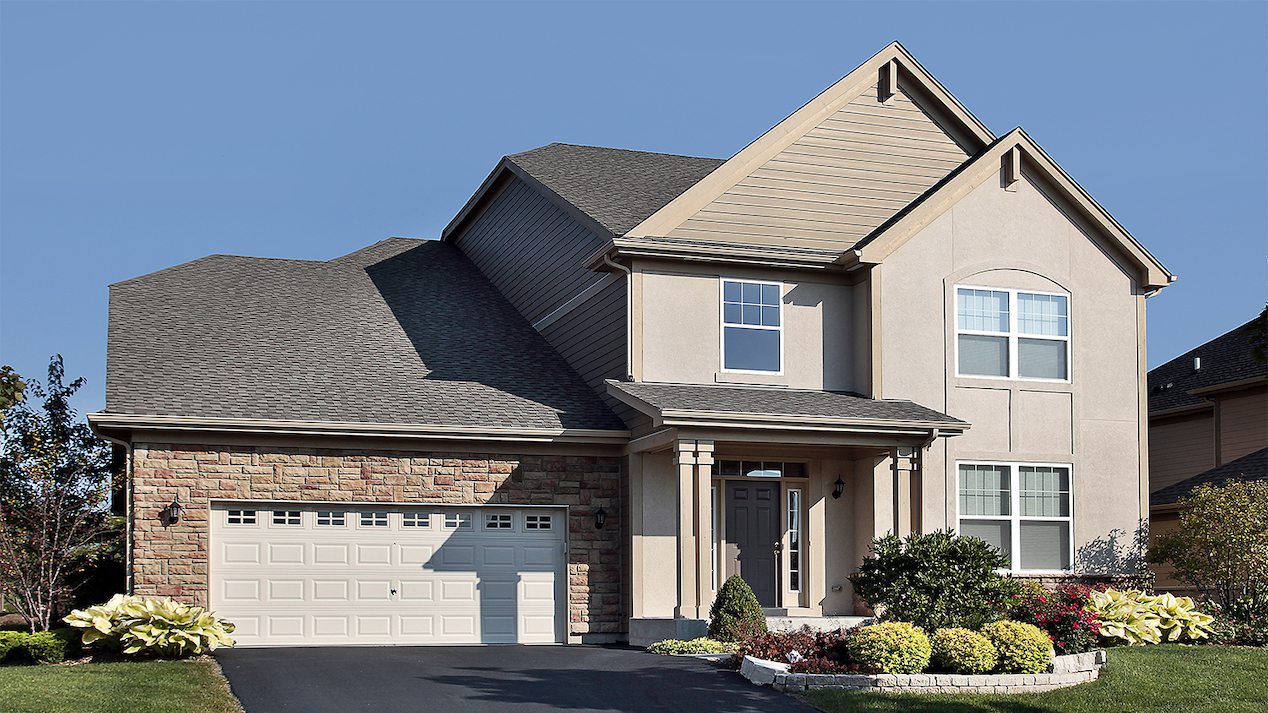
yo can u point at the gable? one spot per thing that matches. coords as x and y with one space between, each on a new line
838 181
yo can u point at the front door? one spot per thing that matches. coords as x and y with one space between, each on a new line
752 536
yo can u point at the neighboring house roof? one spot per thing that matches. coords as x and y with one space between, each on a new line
402 332
796 408
615 187
1225 360
1249 467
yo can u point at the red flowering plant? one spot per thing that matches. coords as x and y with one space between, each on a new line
805 650
1060 614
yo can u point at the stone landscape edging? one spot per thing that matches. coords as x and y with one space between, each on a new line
1066 671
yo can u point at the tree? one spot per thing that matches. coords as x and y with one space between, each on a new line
11 388
1221 544
54 489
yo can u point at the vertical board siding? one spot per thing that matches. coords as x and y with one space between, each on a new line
530 249
1243 425
1179 448
591 337
837 183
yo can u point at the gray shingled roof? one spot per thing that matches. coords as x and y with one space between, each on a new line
1249 467
778 402
615 187
402 332
1225 359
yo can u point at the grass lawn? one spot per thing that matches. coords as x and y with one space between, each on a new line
1166 677
131 687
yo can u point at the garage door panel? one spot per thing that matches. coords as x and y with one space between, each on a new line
413 580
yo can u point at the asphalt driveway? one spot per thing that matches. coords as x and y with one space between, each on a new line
458 679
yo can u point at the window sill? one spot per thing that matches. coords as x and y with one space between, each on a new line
727 377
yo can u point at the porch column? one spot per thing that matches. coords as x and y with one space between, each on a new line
685 462
704 526
905 465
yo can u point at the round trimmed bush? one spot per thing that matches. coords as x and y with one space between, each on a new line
1022 648
963 651
891 647
736 614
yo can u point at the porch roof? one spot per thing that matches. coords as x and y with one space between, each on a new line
765 407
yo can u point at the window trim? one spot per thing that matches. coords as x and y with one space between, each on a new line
1013 335
796 535
722 324
1015 518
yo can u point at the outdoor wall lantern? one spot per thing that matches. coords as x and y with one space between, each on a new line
838 488
600 517
171 514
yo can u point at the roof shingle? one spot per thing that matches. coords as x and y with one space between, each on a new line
1225 359
402 332
1249 467
616 187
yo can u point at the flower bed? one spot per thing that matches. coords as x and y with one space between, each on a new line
1065 671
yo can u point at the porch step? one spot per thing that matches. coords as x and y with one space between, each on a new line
816 623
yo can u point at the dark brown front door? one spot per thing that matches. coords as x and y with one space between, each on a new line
752 534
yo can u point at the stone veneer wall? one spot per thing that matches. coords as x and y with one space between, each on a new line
173 561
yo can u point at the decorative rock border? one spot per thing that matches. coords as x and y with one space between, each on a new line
1068 670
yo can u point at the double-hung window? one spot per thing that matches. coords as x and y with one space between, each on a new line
1012 333
752 326
1022 509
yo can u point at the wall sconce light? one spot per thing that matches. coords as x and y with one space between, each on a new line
171 514
837 488
600 517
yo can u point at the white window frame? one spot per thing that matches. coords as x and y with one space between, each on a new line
1013 334
538 524
498 521
722 324
416 520
1015 517
374 516
246 517
283 518
794 515
333 518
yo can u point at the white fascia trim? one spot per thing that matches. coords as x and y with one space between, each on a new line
803 423
340 428
733 254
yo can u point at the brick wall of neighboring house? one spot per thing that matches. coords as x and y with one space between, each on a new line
173 561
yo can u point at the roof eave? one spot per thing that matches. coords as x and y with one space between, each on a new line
737 254
113 422
1229 386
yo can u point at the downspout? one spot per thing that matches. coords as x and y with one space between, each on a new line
629 316
127 513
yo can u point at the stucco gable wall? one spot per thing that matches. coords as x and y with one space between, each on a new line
1019 238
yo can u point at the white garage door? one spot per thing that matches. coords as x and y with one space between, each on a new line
337 574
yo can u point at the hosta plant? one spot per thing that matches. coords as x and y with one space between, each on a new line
1137 618
159 626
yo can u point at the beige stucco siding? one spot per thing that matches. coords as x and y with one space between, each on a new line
1018 238
838 182
680 342
1180 447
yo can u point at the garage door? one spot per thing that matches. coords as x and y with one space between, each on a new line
335 574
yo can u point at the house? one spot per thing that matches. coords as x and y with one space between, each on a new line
1208 423
620 377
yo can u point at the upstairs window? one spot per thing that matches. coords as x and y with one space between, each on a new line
752 326
1012 334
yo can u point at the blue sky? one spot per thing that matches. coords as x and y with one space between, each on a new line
136 136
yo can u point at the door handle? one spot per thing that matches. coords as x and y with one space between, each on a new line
393 592
779 547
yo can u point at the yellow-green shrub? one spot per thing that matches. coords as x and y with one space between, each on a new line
891 647
160 626
1022 648
1138 618
963 651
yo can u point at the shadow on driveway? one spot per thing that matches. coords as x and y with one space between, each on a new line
457 679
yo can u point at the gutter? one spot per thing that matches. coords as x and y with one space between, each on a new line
155 422
629 315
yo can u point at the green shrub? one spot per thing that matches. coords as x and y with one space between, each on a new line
963 651
1022 648
10 640
891 647
1137 618
159 626
673 647
736 614
939 580
1243 623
